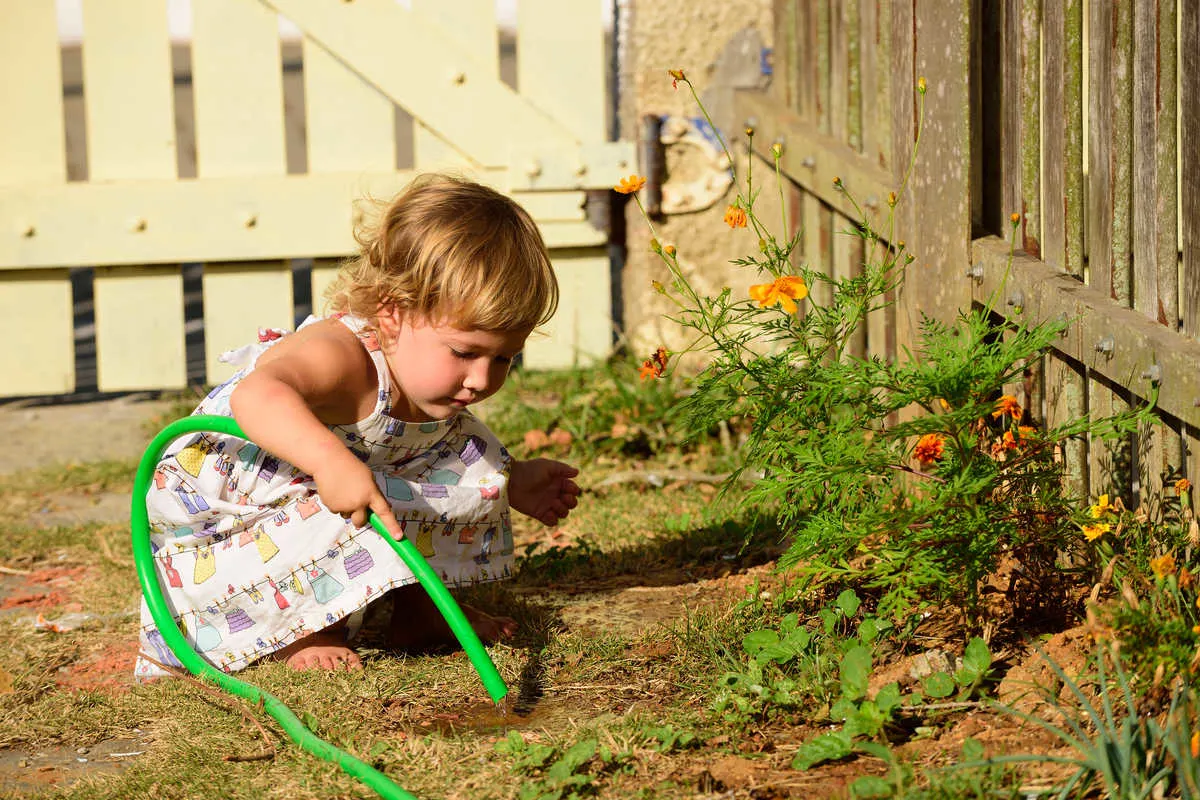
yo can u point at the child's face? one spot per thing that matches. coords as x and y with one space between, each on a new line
438 370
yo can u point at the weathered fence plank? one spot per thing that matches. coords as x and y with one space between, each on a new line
131 135
1189 167
1031 126
32 148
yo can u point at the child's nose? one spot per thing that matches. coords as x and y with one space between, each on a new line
478 376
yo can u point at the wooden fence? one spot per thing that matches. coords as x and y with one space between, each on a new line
1084 119
246 154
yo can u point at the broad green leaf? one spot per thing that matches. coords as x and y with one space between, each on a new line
868 630
972 749
939 684
855 670
827 747
848 602
756 640
977 659
871 787
888 697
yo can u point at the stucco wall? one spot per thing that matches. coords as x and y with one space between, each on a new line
658 35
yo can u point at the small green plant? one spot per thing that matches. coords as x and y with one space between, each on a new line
559 773
1116 747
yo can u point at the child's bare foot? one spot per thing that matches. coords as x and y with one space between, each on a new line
325 649
417 625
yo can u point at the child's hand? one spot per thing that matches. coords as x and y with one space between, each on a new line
542 488
347 487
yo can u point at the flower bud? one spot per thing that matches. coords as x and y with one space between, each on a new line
655 246
777 149
837 182
669 250
762 245
658 287
749 131
1015 219
891 199
921 84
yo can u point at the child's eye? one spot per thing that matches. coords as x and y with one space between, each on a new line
461 354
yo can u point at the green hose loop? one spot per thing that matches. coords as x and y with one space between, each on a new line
291 724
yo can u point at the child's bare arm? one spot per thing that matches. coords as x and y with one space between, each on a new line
314 378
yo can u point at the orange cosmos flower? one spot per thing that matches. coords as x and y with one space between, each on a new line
930 447
1007 406
655 365
1196 744
735 217
784 291
1182 485
633 183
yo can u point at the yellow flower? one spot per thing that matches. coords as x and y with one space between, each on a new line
669 249
930 447
1007 406
1186 578
1182 485
1102 507
1163 566
735 217
1094 532
921 84
633 183
783 291
1014 218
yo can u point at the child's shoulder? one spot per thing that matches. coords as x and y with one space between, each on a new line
328 344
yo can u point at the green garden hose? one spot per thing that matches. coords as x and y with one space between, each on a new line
291 724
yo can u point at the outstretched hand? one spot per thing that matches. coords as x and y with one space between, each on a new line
542 488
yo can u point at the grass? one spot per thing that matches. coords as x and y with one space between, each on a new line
629 613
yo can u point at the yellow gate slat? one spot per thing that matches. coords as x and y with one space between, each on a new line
131 134
551 33
351 128
472 25
237 83
581 331
35 306
418 65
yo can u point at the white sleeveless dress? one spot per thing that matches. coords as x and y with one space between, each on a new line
249 558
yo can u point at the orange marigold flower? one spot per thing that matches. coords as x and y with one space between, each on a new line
1163 566
633 183
784 291
1009 442
1007 406
930 447
676 76
1182 485
735 217
1094 532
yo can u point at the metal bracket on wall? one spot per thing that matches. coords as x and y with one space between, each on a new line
702 172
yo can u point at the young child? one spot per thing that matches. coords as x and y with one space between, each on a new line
263 546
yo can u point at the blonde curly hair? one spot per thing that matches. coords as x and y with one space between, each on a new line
454 251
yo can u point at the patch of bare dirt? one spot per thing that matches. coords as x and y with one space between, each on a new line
36 436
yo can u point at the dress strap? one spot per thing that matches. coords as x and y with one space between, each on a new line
369 337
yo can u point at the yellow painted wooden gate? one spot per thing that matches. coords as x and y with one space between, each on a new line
136 217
